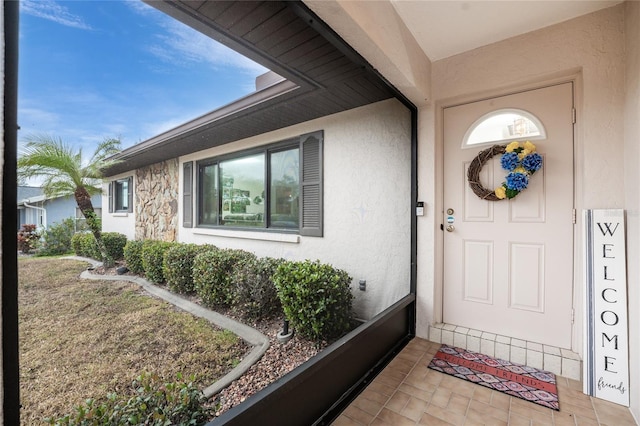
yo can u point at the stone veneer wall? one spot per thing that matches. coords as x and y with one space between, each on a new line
156 201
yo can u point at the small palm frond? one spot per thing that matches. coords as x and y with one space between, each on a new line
101 158
61 166
50 158
57 188
93 186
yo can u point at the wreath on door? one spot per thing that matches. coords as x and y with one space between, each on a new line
520 160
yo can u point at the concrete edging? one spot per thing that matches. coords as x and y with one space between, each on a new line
259 341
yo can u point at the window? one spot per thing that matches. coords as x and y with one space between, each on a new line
121 195
502 126
285 189
80 216
260 189
81 222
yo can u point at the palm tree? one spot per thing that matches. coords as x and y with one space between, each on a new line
64 174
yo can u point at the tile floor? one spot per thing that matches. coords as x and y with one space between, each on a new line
408 393
557 360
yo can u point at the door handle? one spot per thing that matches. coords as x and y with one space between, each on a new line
451 228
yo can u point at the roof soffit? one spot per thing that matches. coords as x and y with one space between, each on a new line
287 38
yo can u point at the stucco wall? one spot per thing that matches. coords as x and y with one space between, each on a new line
367 209
632 192
121 222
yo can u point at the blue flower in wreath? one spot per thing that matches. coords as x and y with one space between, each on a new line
532 162
517 181
509 160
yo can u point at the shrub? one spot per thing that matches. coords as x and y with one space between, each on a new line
315 298
153 403
212 274
114 243
76 243
178 266
28 238
152 258
84 244
132 253
255 294
88 246
57 238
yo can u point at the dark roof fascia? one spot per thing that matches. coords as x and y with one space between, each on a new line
297 99
202 23
314 21
250 101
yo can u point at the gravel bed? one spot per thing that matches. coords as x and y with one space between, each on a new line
277 361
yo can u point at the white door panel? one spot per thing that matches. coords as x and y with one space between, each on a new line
508 265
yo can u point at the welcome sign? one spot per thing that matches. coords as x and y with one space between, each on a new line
606 366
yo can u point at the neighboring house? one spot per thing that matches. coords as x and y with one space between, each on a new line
28 215
37 209
389 121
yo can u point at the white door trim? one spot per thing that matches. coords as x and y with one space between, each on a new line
440 105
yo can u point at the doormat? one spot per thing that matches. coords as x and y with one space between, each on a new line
528 383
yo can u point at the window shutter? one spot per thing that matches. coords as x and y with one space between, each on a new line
130 194
311 184
111 190
187 195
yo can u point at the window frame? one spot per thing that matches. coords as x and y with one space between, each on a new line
518 111
266 151
114 193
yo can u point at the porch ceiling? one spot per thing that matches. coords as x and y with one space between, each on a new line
447 28
324 75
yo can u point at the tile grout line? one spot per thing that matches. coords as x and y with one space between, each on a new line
417 363
595 411
395 390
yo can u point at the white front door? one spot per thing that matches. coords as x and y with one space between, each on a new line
508 264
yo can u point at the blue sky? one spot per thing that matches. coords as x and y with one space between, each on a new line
91 70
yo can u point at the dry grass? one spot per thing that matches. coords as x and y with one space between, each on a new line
85 338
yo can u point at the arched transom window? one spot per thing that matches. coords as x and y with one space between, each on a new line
503 126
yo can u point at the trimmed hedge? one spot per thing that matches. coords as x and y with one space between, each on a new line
84 244
76 243
114 243
315 298
255 294
132 253
212 275
89 247
178 266
153 258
